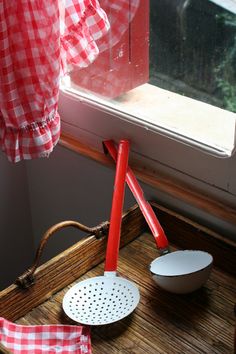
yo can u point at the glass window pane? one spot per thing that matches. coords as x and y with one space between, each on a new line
193 50
160 50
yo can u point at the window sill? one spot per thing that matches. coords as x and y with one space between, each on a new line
90 121
180 118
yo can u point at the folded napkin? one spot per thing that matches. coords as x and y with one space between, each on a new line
21 339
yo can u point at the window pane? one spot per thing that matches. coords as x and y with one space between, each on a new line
160 50
193 50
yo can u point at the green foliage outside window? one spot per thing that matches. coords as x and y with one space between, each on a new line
226 70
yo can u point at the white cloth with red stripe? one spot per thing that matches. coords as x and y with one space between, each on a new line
42 339
38 41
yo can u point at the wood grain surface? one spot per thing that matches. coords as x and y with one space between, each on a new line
201 322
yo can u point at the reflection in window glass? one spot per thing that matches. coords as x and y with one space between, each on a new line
184 46
193 49
122 63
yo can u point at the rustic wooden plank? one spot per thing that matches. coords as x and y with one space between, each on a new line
4 350
65 268
197 323
195 313
201 322
69 265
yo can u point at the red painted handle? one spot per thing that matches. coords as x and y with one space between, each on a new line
148 213
113 242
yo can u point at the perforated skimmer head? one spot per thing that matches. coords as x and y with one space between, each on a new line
106 299
101 300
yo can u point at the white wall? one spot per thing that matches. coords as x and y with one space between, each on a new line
16 241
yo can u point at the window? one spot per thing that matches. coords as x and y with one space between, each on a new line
177 108
192 52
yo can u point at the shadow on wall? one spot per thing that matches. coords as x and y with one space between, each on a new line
37 194
16 242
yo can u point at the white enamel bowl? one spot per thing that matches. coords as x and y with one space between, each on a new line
182 272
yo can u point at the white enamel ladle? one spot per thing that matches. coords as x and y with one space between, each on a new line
109 298
178 272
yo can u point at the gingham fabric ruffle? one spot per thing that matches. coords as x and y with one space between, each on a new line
35 48
42 339
83 23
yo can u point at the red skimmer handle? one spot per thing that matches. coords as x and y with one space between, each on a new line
113 242
148 213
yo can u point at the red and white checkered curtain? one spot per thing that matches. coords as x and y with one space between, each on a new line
39 40
42 339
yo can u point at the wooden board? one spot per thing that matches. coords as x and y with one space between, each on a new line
201 322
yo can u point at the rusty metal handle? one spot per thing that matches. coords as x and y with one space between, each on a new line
27 278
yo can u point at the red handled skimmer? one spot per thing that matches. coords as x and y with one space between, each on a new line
108 298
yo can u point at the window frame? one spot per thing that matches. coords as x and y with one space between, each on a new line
92 122
156 151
